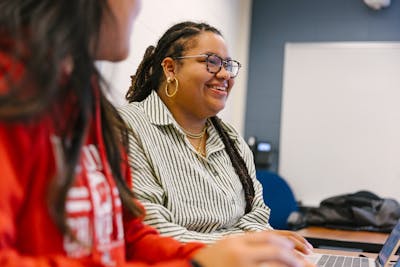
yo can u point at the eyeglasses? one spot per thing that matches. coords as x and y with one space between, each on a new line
214 64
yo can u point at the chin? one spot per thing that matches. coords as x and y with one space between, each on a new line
118 57
113 55
217 110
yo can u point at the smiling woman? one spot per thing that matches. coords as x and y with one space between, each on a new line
193 172
192 76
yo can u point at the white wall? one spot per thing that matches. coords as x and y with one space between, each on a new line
231 17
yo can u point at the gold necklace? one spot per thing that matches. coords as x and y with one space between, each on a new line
199 147
195 135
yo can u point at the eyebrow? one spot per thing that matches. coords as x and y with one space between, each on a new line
212 53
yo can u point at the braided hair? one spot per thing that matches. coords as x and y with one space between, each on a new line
149 76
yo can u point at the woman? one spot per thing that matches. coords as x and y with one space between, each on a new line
63 194
193 172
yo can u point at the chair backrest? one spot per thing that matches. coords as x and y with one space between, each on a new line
278 196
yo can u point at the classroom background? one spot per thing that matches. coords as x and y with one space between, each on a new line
258 33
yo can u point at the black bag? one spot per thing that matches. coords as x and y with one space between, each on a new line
362 210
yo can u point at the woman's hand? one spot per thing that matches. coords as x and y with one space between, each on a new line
300 243
251 250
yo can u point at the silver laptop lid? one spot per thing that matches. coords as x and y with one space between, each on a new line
390 247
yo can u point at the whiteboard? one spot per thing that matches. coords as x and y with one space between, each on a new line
340 124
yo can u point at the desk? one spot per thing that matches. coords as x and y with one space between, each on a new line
361 241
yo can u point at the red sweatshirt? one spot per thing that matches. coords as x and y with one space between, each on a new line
29 159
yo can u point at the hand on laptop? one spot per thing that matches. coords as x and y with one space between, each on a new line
259 249
300 243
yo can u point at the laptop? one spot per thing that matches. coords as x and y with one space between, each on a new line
389 249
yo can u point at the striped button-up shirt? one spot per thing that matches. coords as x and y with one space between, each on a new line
188 196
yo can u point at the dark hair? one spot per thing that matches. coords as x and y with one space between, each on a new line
149 75
42 35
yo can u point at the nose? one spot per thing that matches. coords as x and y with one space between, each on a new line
223 74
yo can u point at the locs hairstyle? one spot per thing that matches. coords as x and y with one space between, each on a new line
149 76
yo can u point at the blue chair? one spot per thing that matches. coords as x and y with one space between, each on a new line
279 197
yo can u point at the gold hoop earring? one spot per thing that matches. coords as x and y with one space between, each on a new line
167 85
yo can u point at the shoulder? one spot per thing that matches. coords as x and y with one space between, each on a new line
28 146
132 113
139 121
28 133
235 136
127 109
230 129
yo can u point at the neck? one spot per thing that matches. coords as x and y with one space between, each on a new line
191 125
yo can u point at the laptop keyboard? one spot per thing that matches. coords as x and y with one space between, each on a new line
342 261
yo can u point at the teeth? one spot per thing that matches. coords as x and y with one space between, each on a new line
220 88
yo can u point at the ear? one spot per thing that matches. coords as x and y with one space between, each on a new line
168 65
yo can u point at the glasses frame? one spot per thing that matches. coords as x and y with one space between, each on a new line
224 62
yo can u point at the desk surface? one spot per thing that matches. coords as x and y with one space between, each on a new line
344 235
364 241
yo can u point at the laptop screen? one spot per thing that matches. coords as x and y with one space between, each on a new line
390 247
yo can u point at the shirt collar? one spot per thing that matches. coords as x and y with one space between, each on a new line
157 111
